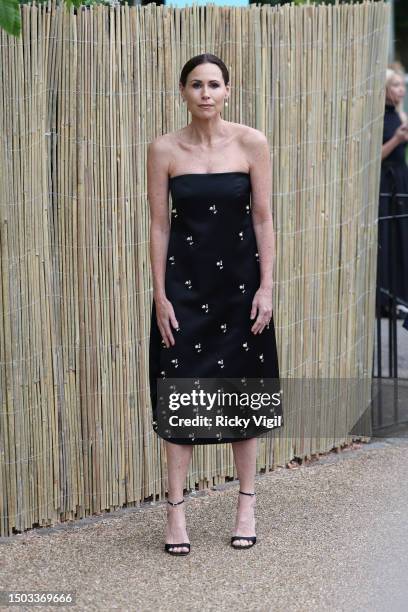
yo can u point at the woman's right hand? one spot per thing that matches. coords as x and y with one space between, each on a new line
165 315
402 133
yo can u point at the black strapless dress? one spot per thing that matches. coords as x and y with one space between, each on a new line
212 274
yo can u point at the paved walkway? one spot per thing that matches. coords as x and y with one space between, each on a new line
332 536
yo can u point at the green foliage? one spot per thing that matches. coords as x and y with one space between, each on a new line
77 3
10 17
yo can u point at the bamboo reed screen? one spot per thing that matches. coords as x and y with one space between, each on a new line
81 97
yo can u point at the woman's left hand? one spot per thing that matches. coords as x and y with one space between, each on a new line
261 305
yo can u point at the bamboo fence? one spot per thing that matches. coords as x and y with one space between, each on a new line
82 94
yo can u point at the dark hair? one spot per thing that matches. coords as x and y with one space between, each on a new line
204 58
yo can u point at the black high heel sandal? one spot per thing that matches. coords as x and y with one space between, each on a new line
168 547
251 539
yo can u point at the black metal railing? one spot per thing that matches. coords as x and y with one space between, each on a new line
393 300
389 414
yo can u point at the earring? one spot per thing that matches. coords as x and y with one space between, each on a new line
226 103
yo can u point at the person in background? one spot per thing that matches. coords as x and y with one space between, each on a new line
399 69
394 180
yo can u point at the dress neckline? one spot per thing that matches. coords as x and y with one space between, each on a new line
207 174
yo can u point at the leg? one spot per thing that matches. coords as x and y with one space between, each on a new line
178 460
245 460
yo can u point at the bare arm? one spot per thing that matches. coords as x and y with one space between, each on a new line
158 196
400 135
260 170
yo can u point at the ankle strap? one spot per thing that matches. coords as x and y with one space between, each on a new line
175 503
243 493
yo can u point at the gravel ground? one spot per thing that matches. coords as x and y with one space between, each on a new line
332 535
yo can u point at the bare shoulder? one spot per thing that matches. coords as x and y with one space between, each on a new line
256 148
166 145
158 158
160 144
252 137
245 134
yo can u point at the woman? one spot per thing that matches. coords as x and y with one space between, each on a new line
212 273
394 180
